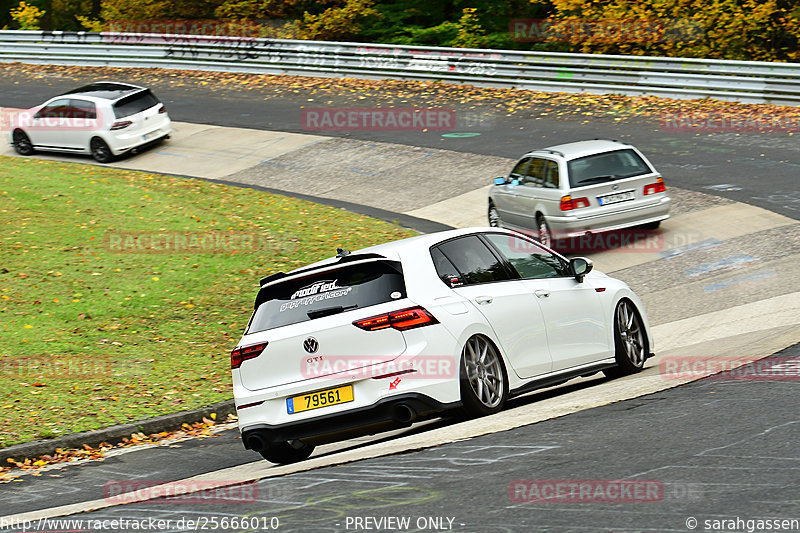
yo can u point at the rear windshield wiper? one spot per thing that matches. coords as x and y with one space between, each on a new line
597 179
336 309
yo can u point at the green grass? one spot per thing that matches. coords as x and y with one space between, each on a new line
91 336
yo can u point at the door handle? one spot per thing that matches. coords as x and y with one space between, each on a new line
483 300
541 293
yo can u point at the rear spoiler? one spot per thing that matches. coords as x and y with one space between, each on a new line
343 259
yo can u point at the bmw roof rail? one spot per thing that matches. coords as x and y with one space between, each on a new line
550 151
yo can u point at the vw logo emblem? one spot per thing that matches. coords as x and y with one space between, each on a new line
615 187
311 345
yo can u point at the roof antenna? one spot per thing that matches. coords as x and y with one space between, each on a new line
342 253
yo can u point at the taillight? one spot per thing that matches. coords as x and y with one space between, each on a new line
162 109
243 353
122 124
656 187
413 317
568 203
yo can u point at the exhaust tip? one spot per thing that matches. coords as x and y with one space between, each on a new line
256 443
403 413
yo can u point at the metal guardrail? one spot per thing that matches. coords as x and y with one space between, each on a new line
743 81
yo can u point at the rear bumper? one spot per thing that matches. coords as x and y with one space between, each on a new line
123 142
389 413
575 226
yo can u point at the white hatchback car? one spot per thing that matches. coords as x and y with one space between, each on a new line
453 321
577 188
104 119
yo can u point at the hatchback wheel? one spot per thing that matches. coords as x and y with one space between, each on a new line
100 151
484 385
629 341
288 452
22 144
494 217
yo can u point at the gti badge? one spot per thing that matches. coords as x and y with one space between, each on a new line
311 345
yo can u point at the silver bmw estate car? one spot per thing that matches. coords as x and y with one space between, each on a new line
583 187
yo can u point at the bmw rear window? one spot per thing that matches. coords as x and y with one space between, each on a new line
327 293
135 103
607 166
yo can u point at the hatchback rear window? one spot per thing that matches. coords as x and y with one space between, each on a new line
327 293
608 166
135 103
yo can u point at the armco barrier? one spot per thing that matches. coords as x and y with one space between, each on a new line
743 81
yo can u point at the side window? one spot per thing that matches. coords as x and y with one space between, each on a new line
83 109
529 259
535 174
445 269
474 260
57 109
551 175
519 169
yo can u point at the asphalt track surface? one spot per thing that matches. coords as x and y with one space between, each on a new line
757 168
718 449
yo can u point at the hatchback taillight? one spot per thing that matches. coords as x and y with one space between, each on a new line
122 124
243 353
413 317
568 203
656 187
162 109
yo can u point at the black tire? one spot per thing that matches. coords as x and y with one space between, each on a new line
544 235
494 217
22 143
100 150
630 341
484 382
288 452
651 225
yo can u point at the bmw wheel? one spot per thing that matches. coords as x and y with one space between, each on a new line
494 217
22 144
484 384
629 341
288 452
543 230
100 151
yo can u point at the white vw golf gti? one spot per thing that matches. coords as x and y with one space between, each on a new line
457 321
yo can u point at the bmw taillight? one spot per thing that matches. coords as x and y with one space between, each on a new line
122 124
413 317
162 109
656 187
568 203
243 353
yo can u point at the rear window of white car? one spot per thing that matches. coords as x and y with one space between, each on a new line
327 293
607 166
135 103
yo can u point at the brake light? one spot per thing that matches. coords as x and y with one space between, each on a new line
568 203
162 109
122 124
413 317
243 353
656 187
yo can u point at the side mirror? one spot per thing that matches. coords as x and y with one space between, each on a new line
500 181
579 267
514 182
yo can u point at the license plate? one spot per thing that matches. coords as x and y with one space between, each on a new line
616 198
316 400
